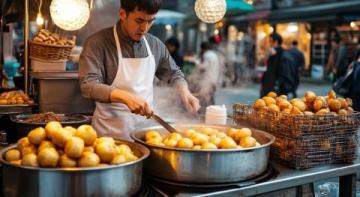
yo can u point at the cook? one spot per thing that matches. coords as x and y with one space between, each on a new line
118 66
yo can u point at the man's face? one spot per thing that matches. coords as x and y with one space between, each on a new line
136 23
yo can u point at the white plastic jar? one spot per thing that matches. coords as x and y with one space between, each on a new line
215 114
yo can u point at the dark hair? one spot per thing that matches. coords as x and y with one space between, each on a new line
337 39
174 42
149 6
295 43
276 37
205 46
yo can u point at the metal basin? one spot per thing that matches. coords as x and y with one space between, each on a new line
112 180
206 166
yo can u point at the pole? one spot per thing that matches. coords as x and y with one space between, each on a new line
26 47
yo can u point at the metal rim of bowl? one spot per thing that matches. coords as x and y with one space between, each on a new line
15 119
157 128
145 154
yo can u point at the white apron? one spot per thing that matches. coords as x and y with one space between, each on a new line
134 75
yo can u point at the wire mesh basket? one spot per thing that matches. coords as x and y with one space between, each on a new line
50 51
305 141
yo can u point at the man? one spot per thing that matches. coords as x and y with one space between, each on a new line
205 75
173 46
118 66
341 62
279 76
299 61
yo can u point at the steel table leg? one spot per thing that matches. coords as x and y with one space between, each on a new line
347 185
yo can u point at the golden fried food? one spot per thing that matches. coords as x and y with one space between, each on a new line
310 96
12 155
272 94
118 159
45 144
152 134
51 127
241 133
87 133
106 151
89 149
37 135
308 113
30 160
170 142
199 138
248 142
175 136
269 100
22 143
259 104
343 112
344 104
215 140
28 149
227 143
185 143
89 159
296 111
67 162
323 111
334 105
274 108
71 129
74 147
332 94
298 103
60 137
208 145
48 157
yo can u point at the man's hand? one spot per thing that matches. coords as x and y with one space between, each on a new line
190 101
136 105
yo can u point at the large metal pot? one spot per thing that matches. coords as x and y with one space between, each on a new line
206 166
22 128
112 180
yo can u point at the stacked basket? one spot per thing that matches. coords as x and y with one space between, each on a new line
305 141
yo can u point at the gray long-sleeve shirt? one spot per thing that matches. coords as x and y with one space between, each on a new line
99 62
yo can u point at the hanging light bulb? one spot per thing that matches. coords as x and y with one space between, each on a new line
210 11
70 15
39 18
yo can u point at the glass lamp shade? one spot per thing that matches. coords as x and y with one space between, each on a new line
70 15
210 11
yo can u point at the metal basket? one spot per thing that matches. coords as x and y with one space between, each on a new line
305 141
49 51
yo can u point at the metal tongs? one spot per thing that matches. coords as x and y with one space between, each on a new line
163 123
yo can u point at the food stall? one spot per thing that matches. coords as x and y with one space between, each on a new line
57 156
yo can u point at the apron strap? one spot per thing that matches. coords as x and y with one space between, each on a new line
117 43
148 47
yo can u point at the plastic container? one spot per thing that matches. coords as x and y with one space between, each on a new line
216 114
47 65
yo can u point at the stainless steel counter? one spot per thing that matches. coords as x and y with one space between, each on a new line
288 178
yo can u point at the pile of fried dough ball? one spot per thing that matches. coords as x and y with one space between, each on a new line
15 98
204 138
310 104
57 146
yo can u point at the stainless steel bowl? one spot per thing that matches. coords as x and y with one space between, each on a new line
112 180
206 166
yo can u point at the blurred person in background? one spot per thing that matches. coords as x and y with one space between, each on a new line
355 87
173 45
337 63
281 71
299 61
205 76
